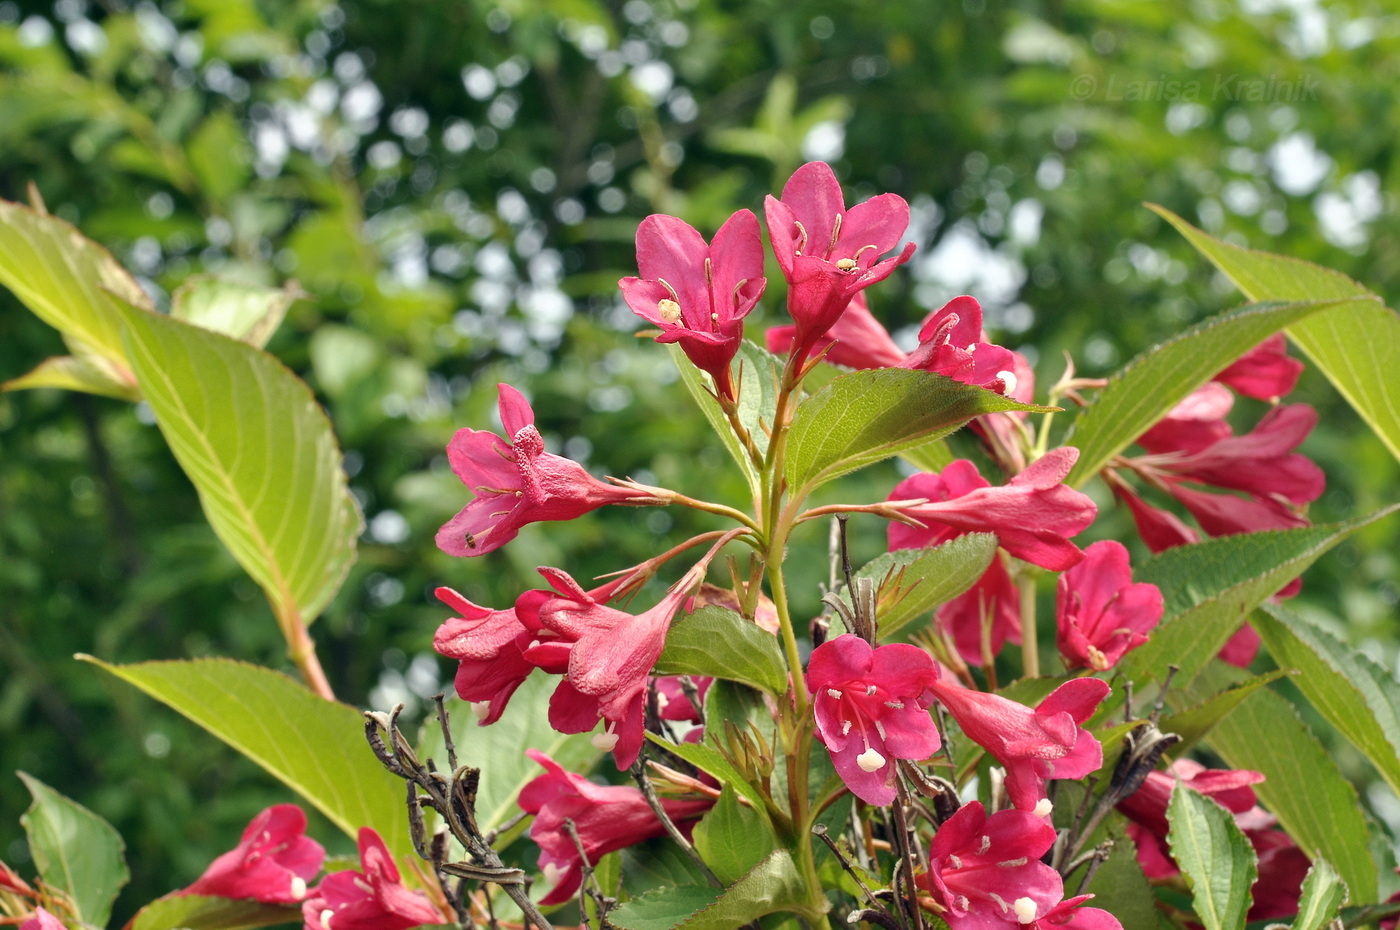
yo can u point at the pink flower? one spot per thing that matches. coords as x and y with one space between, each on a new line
488 647
828 253
984 617
1160 529
610 654
1033 515
856 340
698 294
1192 425
1262 462
42 920
986 871
271 863
517 482
951 343
1100 613
871 706
1033 745
606 818
672 703
1265 371
1147 807
372 899
1069 914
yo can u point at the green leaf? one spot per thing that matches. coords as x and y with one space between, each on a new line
1322 897
314 746
1157 380
69 281
771 886
250 313
865 416
661 864
74 850
70 373
931 456
1193 723
662 908
194 912
1209 587
261 454
1357 345
1214 855
733 837
1303 786
1120 888
719 642
912 582
499 750
1357 696
756 377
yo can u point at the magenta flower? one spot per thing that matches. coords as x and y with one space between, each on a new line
1070 915
606 818
1033 515
1147 807
698 294
828 253
1100 614
489 648
1192 425
984 617
271 863
951 344
855 340
1033 745
985 872
871 706
1265 371
517 482
1262 462
372 899
42 920
609 653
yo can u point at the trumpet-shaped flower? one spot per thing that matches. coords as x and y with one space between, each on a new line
272 862
871 706
1033 515
1032 744
950 344
371 899
605 817
827 253
1265 371
985 616
1100 614
489 648
517 482
698 294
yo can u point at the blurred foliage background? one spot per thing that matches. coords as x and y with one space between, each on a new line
456 187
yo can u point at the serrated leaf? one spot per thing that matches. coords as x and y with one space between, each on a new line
249 313
70 373
1154 382
921 579
1356 345
195 912
1303 786
1214 855
261 454
719 642
1120 888
74 850
755 375
733 837
499 749
1322 897
69 281
1208 588
1357 696
662 908
314 746
865 416
1193 723
771 886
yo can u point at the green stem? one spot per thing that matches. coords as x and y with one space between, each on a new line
1030 646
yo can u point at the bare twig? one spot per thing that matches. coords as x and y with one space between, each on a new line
638 773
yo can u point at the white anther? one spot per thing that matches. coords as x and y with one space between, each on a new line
870 690
954 862
668 310
1013 863
985 845
870 761
895 705
552 873
845 727
326 916
1025 910
604 741
1043 807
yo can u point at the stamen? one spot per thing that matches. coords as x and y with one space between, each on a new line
954 862
666 284
298 886
895 705
606 740
963 903
1025 910
326 916
669 310
845 727
846 264
1013 863
880 728
1008 378
552 873
801 238
870 761
870 690
480 709
835 234
709 273
734 294
986 845
1001 902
